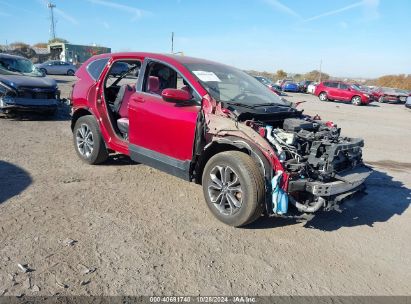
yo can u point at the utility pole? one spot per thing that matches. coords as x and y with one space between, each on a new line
172 42
51 6
321 64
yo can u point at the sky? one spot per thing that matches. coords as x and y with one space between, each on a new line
352 38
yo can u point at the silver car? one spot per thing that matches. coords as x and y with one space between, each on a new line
57 67
408 102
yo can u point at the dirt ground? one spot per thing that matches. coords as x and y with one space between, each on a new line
138 231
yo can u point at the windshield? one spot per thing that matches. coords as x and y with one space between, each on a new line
19 66
263 80
388 91
231 85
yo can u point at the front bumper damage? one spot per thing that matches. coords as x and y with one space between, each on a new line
329 194
8 104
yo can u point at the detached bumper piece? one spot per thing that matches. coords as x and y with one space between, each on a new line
328 195
27 104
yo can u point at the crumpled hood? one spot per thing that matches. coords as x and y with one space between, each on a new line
17 81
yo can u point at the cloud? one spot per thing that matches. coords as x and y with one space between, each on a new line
136 12
65 16
335 12
282 7
370 9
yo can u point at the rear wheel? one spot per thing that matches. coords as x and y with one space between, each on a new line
233 187
323 96
43 71
88 142
70 73
356 100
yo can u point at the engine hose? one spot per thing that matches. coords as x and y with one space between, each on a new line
309 209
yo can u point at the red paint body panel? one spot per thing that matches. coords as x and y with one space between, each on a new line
162 126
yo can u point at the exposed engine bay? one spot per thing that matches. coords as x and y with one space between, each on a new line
323 167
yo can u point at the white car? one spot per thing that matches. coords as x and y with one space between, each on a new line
311 88
408 102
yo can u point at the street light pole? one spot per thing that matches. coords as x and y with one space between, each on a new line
172 42
51 6
321 64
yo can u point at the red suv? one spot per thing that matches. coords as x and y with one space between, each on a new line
252 152
337 90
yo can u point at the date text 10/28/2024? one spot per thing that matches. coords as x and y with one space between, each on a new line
203 299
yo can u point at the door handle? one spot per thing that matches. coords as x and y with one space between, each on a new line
138 99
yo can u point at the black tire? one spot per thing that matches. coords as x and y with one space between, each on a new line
356 100
381 99
70 73
251 183
323 96
98 152
44 71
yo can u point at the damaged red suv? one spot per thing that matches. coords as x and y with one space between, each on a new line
252 152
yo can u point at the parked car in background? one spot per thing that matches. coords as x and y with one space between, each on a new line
290 86
178 117
383 94
408 102
281 82
56 67
24 88
311 87
271 85
341 91
303 85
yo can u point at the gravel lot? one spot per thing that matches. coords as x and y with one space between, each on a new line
139 231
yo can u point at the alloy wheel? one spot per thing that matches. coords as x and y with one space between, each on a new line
323 97
224 190
85 141
356 100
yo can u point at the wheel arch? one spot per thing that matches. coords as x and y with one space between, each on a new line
77 114
232 143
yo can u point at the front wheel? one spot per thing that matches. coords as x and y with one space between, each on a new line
233 187
323 96
70 73
381 99
356 100
88 142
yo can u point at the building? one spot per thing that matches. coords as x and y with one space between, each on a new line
75 53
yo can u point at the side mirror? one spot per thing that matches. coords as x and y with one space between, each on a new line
175 95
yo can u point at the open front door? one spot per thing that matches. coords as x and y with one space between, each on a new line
162 133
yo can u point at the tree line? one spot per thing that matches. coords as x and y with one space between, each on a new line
401 81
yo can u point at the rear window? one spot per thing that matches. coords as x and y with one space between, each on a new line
96 67
331 84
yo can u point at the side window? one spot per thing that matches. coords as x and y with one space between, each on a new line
343 86
96 67
333 84
326 84
159 77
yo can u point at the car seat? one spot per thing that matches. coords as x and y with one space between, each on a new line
121 108
153 85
